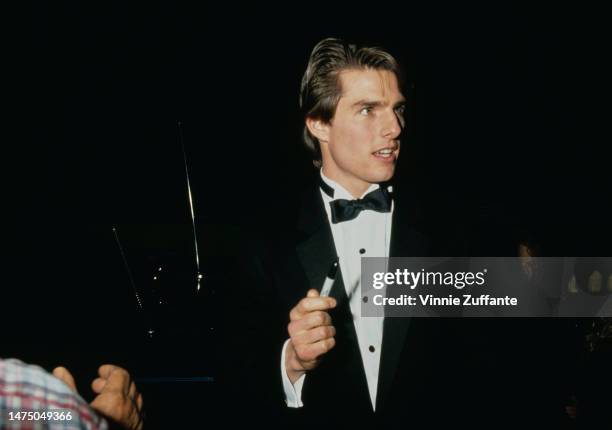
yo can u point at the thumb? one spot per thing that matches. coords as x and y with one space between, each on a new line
65 376
312 293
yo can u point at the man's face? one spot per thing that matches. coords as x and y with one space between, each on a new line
361 144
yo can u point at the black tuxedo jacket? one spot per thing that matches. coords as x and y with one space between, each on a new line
433 371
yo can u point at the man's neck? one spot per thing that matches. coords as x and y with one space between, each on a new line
356 187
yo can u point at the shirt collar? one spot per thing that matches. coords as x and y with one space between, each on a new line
340 192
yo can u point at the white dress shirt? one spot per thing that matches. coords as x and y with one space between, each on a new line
367 235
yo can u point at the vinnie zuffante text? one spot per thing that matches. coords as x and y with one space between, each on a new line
413 279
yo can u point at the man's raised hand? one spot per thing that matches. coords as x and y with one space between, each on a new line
311 334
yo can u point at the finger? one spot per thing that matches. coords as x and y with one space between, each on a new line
325 345
320 333
97 385
139 401
314 335
311 304
65 376
132 392
312 293
310 321
106 369
116 377
316 319
312 351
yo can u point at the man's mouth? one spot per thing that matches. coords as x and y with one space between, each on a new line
385 153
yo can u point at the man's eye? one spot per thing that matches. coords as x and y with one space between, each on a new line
365 111
400 110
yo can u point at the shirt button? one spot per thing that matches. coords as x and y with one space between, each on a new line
362 251
371 348
365 299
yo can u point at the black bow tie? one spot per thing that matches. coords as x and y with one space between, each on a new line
345 210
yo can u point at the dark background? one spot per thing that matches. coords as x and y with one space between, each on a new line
507 118
508 105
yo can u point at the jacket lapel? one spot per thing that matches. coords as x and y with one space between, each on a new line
406 241
315 248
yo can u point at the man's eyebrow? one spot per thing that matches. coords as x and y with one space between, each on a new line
369 103
376 103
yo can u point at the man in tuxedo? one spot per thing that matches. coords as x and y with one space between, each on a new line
330 365
317 353
354 107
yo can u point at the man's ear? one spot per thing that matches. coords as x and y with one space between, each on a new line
318 129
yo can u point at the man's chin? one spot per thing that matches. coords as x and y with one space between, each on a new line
382 176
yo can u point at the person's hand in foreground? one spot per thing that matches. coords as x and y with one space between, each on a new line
117 398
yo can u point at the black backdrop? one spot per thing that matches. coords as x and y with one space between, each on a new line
507 102
506 116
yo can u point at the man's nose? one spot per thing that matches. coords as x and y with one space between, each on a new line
392 127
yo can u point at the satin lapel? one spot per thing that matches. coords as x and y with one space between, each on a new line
406 241
315 249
